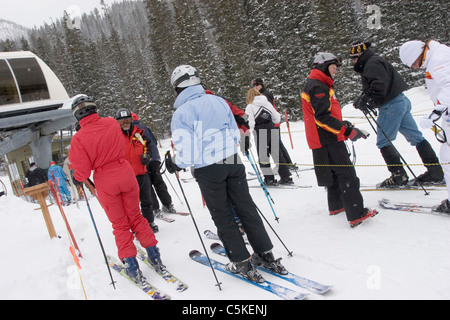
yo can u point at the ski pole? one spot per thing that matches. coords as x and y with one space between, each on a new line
98 237
392 144
167 178
263 186
218 284
276 234
289 129
53 190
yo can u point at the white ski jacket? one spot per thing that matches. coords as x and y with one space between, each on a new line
261 104
437 80
437 64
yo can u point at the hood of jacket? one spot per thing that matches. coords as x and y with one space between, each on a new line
189 93
362 60
322 77
432 48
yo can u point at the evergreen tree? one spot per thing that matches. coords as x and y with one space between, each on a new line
124 54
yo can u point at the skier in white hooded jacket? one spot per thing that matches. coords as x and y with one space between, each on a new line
434 57
262 118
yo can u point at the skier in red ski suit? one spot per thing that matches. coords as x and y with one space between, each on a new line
99 146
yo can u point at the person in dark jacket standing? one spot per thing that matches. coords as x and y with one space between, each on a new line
35 175
138 154
382 88
325 134
158 186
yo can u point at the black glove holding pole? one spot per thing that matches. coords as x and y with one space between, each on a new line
365 103
170 164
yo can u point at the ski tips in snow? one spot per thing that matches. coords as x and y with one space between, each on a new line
194 253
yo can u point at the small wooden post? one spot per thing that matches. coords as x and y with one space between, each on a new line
40 192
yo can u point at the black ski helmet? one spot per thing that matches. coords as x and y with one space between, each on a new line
123 113
82 106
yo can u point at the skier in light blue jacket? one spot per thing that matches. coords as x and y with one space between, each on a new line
57 175
212 133
205 135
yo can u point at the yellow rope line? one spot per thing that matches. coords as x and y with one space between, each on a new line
355 165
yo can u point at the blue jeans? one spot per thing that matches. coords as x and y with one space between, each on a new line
395 116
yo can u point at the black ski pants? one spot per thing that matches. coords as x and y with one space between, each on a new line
268 144
159 187
145 196
344 190
224 186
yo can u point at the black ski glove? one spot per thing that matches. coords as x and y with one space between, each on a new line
364 103
145 159
245 144
77 183
170 164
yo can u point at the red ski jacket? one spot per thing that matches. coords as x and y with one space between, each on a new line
134 149
98 143
321 111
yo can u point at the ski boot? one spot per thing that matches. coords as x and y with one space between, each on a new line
169 209
246 270
444 207
397 179
427 179
155 259
270 182
154 227
286 181
367 213
132 270
267 261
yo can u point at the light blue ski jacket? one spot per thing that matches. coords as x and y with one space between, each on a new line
204 130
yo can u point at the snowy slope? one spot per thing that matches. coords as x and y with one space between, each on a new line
12 31
395 255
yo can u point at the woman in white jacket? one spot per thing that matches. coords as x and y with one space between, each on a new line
262 118
434 57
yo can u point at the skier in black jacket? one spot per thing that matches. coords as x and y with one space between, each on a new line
35 175
382 88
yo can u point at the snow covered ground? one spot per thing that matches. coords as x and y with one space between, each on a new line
396 255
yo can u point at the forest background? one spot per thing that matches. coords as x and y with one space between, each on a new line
123 54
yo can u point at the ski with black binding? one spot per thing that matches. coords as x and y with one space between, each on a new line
302 282
280 291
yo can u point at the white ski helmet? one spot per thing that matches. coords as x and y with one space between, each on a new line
184 76
410 51
326 58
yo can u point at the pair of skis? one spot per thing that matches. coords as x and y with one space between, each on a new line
278 290
148 288
410 207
